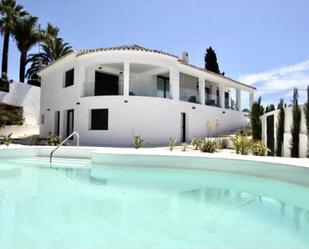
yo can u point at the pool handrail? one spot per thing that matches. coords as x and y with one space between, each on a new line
62 143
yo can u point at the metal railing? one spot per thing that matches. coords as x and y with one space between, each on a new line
62 143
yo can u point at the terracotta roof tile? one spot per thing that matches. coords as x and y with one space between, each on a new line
133 47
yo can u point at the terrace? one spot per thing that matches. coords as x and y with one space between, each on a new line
135 79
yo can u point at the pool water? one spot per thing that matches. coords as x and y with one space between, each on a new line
113 207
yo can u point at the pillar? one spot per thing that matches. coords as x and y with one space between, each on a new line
222 97
80 79
174 83
238 99
126 79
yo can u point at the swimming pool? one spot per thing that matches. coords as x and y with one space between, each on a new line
80 205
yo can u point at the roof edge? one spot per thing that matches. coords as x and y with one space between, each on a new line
216 74
135 47
54 62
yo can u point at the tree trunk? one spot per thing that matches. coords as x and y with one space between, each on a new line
5 52
22 66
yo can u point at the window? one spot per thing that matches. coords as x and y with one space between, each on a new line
69 78
106 84
162 87
226 100
207 95
70 122
57 123
99 119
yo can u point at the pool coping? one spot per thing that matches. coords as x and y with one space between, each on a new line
68 151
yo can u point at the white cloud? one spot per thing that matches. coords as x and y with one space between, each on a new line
278 83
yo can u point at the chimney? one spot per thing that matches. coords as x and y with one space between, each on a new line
185 57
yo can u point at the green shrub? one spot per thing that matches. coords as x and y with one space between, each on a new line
259 148
242 144
138 141
295 127
7 140
223 143
280 128
4 83
244 132
53 140
33 140
184 146
209 145
172 143
11 117
270 108
196 143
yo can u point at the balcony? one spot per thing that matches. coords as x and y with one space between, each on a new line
134 79
90 89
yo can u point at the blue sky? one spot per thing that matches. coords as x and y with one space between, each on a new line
264 43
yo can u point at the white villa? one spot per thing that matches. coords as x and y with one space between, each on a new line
109 95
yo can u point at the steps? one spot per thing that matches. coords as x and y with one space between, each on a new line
57 162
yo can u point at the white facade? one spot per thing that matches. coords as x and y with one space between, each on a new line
27 97
287 131
153 91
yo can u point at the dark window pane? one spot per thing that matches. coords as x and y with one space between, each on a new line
162 87
99 119
57 123
69 78
70 122
106 84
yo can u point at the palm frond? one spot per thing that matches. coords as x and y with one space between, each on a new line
52 48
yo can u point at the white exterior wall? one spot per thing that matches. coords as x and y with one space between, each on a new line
155 119
27 97
287 131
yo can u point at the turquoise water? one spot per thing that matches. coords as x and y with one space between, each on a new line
130 207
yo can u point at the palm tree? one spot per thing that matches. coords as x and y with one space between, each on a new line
52 30
53 47
26 35
50 52
10 13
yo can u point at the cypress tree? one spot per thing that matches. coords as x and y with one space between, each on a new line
270 108
306 112
211 62
256 111
280 128
295 127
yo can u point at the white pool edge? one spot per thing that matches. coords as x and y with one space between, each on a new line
84 152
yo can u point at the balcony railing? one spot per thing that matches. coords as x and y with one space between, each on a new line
88 89
212 100
190 99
